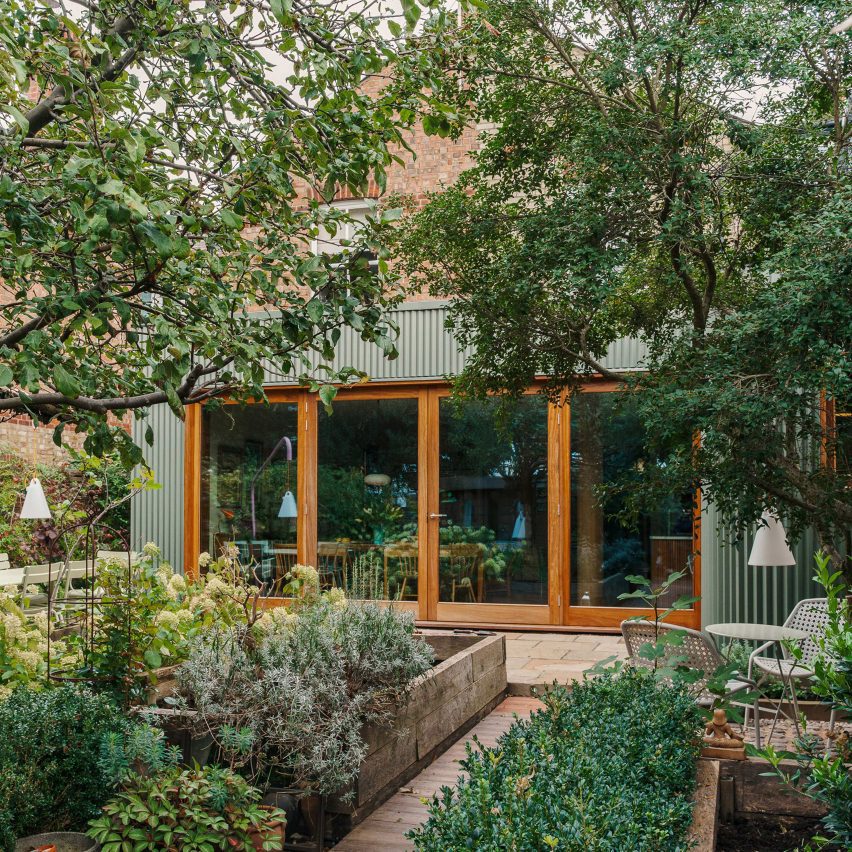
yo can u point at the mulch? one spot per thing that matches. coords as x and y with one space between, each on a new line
768 833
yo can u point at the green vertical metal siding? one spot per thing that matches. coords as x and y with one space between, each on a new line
157 515
732 590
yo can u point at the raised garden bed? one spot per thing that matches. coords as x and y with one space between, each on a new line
466 683
738 808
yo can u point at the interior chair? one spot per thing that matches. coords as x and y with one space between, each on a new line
331 563
285 559
698 652
464 563
405 556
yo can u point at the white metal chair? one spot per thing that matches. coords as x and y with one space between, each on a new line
697 652
811 616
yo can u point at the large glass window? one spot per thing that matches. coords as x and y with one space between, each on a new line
367 498
607 442
248 486
493 494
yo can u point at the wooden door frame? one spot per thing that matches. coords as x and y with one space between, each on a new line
612 616
557 613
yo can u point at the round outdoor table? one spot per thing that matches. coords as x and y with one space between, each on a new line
755 632
765 633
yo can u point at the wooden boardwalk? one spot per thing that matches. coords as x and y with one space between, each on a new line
384 830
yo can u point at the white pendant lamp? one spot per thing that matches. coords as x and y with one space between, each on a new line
35 503
377 480
770 545
288 506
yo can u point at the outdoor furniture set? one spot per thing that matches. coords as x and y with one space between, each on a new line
698 652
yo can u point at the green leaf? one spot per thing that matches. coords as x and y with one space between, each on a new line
65 383
6 375
327 393
20 118
230 219
153 658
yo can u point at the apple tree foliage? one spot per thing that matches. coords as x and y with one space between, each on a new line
165 168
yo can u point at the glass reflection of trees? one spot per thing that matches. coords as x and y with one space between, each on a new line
493 490
607 446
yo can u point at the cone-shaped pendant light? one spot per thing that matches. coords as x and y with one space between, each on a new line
35 503
770 543
288 506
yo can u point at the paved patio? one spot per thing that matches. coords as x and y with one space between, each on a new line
539 659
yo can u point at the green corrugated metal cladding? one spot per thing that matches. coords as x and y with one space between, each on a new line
731 590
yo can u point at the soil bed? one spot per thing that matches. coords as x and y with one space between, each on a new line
768 833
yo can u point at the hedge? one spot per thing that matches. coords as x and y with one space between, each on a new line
607 766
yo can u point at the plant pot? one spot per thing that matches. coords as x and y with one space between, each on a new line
274 828
63 841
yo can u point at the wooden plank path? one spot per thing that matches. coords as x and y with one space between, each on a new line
384 830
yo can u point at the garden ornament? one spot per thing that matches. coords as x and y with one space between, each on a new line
720 739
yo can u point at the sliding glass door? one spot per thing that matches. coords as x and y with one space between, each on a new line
464 511
491 554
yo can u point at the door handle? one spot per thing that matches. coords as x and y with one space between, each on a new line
435 515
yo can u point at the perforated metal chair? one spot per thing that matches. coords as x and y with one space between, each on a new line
811 616
697 652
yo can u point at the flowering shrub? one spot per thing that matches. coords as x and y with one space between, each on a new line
149 615
23 648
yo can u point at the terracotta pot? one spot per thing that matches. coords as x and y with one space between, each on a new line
62 841
274 827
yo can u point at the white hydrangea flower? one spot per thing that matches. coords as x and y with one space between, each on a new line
185 616
177 583
167 618
31 659
12 626
204 559
337 598
151 549
216 587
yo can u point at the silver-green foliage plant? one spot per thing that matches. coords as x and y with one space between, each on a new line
300 696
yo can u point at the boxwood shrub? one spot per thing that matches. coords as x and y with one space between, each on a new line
50 773
607 766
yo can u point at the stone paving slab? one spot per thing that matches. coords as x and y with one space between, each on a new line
536 660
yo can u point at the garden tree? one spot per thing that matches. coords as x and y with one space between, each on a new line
159 199
673 171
